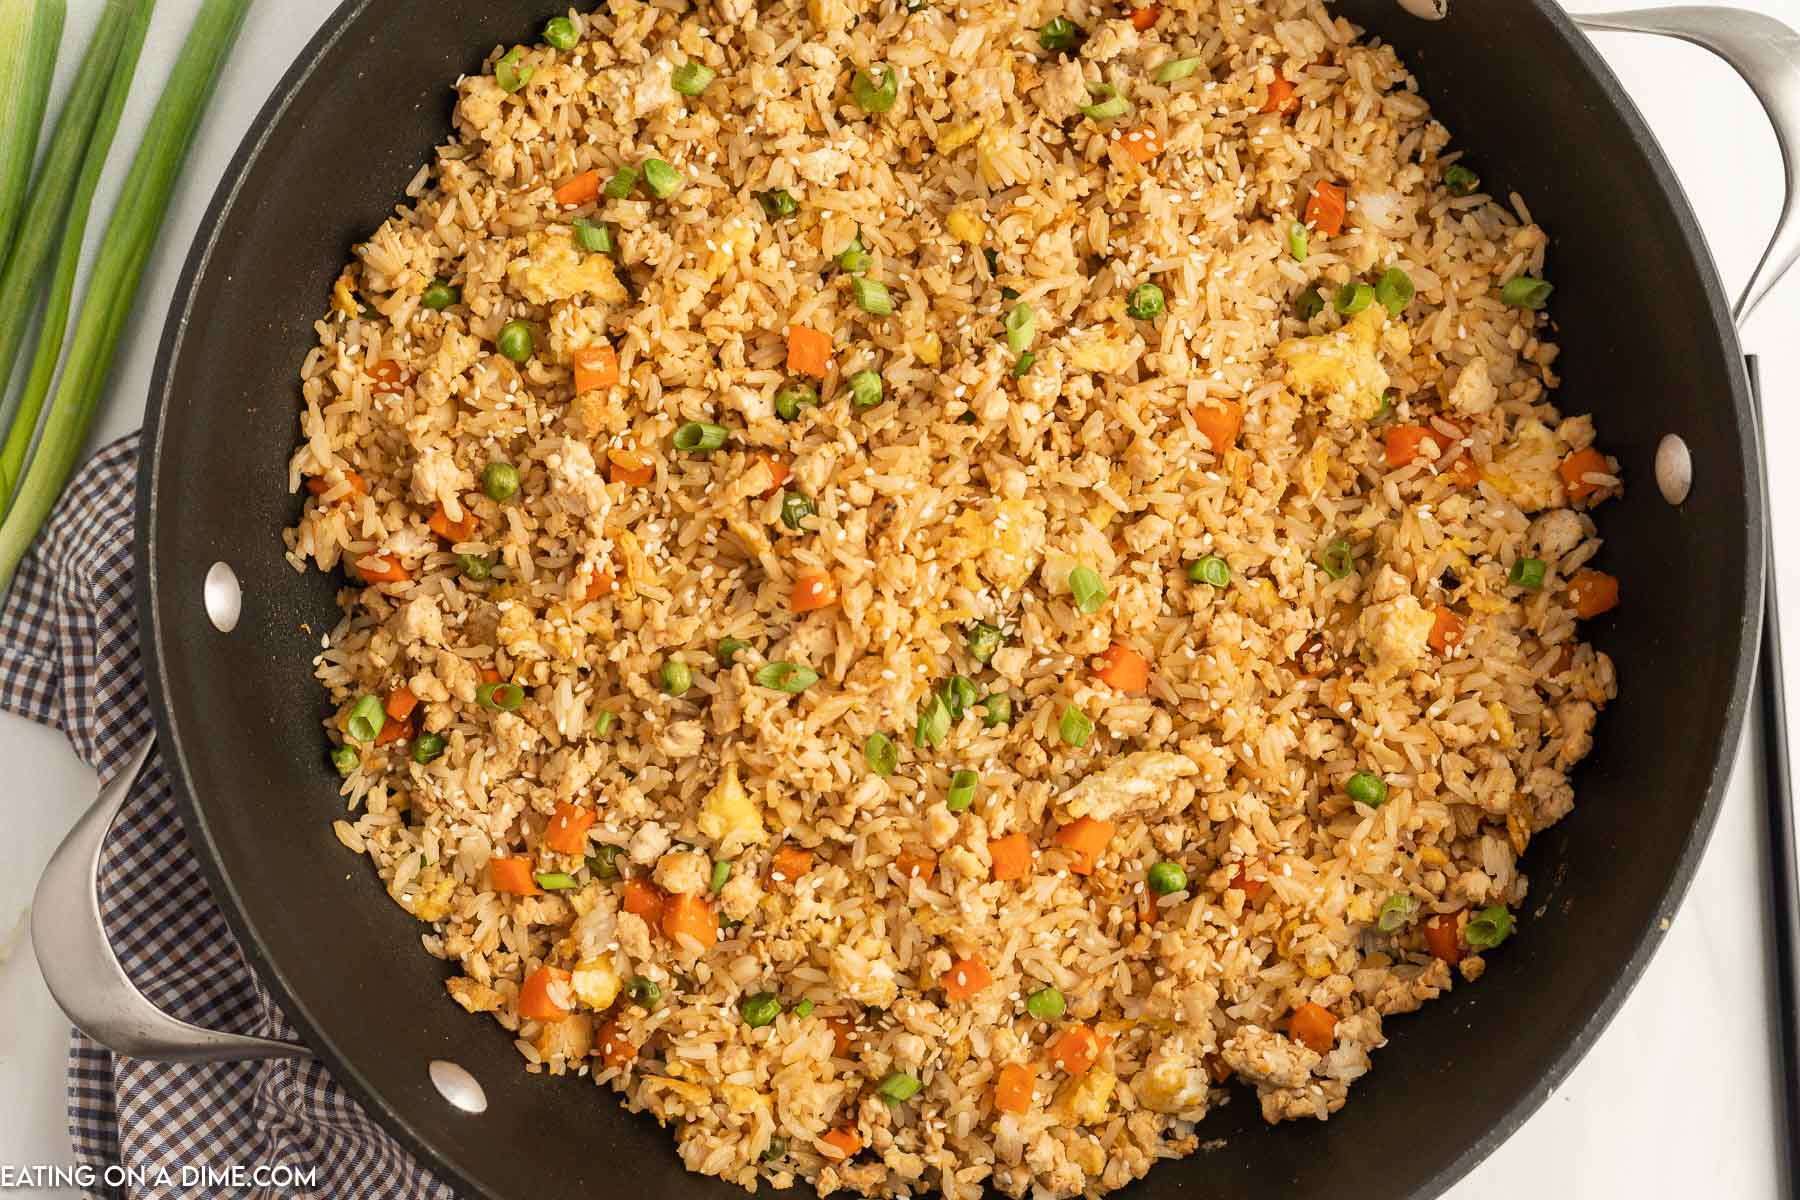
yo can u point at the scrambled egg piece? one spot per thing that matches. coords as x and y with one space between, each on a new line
1135 784
433 904
1397 631
1343 367
572 1038
1085 1099
1110 356
1172 1080
964 222
1525 471
730 817
1006 537
554 268
735 237
954 137
596 983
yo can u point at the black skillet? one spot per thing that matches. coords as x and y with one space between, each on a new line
1648 348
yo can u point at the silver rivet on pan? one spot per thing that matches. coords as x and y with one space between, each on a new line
224 599
457 1086
1430 10
1674 469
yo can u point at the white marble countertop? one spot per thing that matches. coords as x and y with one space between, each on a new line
1677 1097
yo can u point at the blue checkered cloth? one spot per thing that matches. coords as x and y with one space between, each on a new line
69 659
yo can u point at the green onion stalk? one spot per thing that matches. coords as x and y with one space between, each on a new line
30 32
59 184
118 269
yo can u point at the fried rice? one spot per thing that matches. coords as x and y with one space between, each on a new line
951 733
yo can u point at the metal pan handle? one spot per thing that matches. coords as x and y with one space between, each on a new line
1767 54
83 973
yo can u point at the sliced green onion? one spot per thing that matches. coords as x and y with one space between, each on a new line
721 875
880 754
1024 364
1296 241
789 677
345 759
874 96
1166 878
1145 302
32 32
1089 592
509 74
644 992
1309 304
426 747
560 32
698 437
795 508
1046 1004
984 640
1059 35
692 78
728 650
596 237
440 295
367 716
1353 297
499 481
1366 788
1211 569
677 677
1394 290
1394 912
1337 559
872 296
934 723
1488 928
603 723
865 389
1387 406
996 710
804 1009
790 398
958 693
1460 180
662 179
604 861
854 259
1021 328
778 203
621 184
118 267
898 1087
962 790
760 1009
516 342
554 881
1527 573
1075 727
1526 292
1176 68
500 697
1109 105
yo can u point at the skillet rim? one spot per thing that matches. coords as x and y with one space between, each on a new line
1575 1041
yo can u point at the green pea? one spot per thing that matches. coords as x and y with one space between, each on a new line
677 677
1046 1004
440 295
760 1010
795 508
778 203
1166 878
474 567
875 95
996 710
778 1148
984 640
1460 181
426 747
560 32
1365 788
644 992
345 759
499 481
1145 302
865 389
1059 35
728 650
790 398
515 341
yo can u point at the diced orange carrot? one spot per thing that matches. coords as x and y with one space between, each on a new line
595 367
690 914
454 531
1404 444
1143 144
809 351
567 831
1145 909
1217 1067
629 467
843 1036
382 568
1013 1088
612 1046
389 377
1011 855
318 485
966 977
546 995
916 866
1577 466
789 863
1143 18
1281 97
600 584
394 731
1219 422
1077 1049
778 471
1325 208
400 703
1252 888
1313 1027
813 590
578 189
1444 939
1593 593
1087 837
1125 669
845 1140
512 875
643 899
490 675
1447 629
